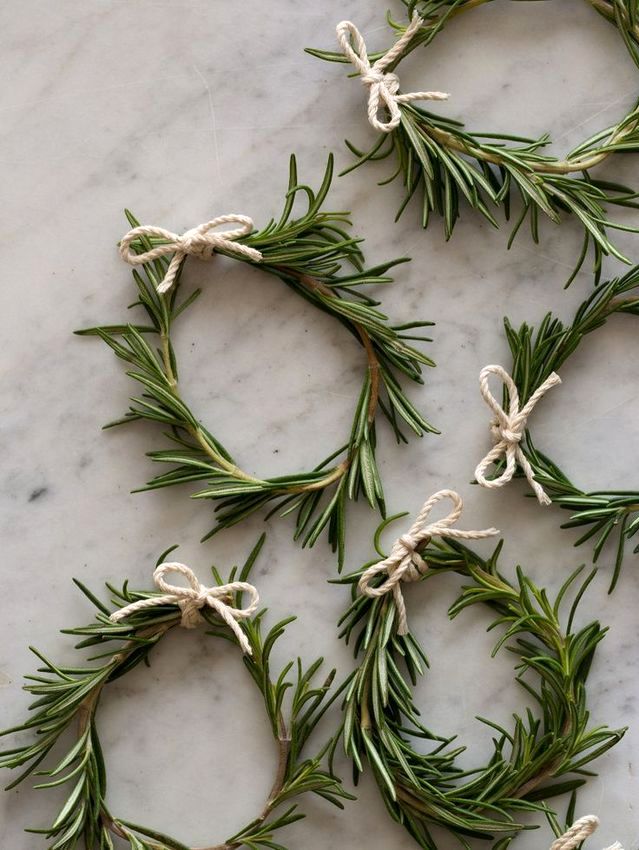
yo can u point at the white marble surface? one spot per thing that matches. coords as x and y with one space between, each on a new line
182 110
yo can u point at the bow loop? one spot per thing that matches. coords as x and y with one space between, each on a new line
508 430
194 589
405 564
190 600
383 85
202 242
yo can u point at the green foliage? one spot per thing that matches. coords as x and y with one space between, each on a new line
603 514
546 752
67 698
311 254
446 165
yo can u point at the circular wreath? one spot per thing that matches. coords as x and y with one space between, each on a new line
539 758
537 356
67 699
311 254
447 164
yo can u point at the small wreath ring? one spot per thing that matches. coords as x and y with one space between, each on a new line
537 355
448 164
536 760
309 254
67 698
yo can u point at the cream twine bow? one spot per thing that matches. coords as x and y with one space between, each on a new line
191 599
508 430
404 562
383 86
199 242
578 832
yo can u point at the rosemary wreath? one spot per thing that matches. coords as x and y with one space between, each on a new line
311 254
67 699
439 159
537 356
538 759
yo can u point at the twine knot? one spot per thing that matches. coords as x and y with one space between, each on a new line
201 242
506 434
405 563
375 77
383 85
508 430
416 566
195 242
195 597
578 832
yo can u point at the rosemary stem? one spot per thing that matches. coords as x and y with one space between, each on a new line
231 468
566 166
166 359
373 371
284 750
332 476
365 719
617 305
545 773
604 7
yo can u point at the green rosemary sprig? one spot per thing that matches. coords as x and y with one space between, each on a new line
544 755
67 699
604 514
447 165
311 255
